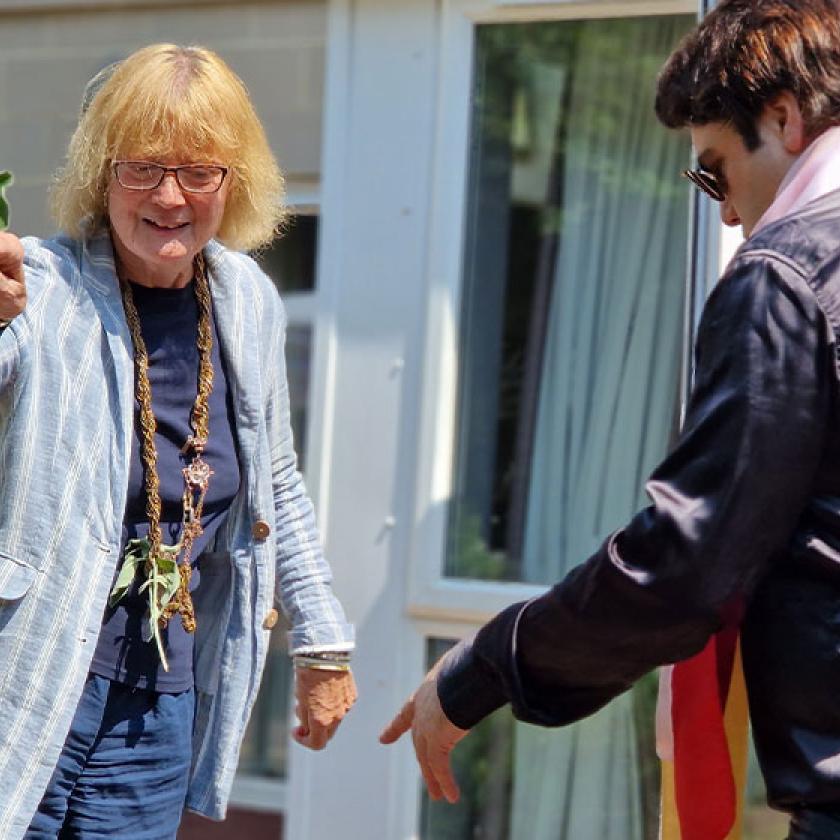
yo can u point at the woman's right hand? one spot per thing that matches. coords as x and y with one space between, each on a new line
12 283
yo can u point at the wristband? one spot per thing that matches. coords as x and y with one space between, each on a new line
323 661
314 664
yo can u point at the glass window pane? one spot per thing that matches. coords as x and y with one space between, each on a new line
482 764
573 290
598 779
298 359
290 260
264 749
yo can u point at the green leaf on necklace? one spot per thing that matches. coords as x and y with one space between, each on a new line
166 577
131 563
162 582
6 178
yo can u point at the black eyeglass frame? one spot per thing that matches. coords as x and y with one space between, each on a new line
176 170
705 182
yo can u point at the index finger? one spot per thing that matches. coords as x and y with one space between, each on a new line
399 725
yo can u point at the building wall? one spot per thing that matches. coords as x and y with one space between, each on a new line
47 56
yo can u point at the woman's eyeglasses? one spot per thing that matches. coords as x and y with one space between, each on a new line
191 177
706 182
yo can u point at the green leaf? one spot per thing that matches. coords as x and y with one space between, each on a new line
162 582
6 178
136 552
166 576
153 626
172 582
125 578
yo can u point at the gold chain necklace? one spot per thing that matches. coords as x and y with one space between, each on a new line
167 581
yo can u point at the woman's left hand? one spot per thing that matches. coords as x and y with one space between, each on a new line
323 699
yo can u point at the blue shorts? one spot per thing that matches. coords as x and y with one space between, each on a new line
124 768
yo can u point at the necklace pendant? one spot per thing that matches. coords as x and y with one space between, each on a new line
197 444
197 474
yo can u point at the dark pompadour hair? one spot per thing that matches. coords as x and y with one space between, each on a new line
745 53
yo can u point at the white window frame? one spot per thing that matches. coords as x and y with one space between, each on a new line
431 595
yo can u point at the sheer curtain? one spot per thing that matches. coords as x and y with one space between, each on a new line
606 394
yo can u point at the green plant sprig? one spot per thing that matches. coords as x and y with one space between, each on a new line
161 584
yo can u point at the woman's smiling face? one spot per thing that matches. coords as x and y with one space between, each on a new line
157 233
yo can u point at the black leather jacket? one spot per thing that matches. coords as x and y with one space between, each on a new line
745 511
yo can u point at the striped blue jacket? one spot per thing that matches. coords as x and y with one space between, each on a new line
66 417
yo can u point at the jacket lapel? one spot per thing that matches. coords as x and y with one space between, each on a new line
234 314
99 273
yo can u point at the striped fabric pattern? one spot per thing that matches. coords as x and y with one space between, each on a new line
66 415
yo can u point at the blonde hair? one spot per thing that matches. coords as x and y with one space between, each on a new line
166 100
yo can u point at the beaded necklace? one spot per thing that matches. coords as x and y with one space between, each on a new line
166 580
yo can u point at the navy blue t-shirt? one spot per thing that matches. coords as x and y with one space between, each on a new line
169 323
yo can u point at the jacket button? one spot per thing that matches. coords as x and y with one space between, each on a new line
270 619
260 530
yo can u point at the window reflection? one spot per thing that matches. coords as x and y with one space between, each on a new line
502 795
291 259
265 748
483 767
298 358
521 781
570 356
572 301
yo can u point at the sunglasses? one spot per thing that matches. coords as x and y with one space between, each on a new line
706 182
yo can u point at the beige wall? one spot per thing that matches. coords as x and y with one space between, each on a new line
46 58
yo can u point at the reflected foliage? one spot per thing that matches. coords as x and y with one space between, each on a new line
510 59
475 559
644 717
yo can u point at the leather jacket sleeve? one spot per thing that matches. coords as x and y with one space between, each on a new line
724 504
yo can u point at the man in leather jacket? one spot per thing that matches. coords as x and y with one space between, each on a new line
745 511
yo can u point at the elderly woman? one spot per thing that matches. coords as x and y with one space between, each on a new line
151 513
